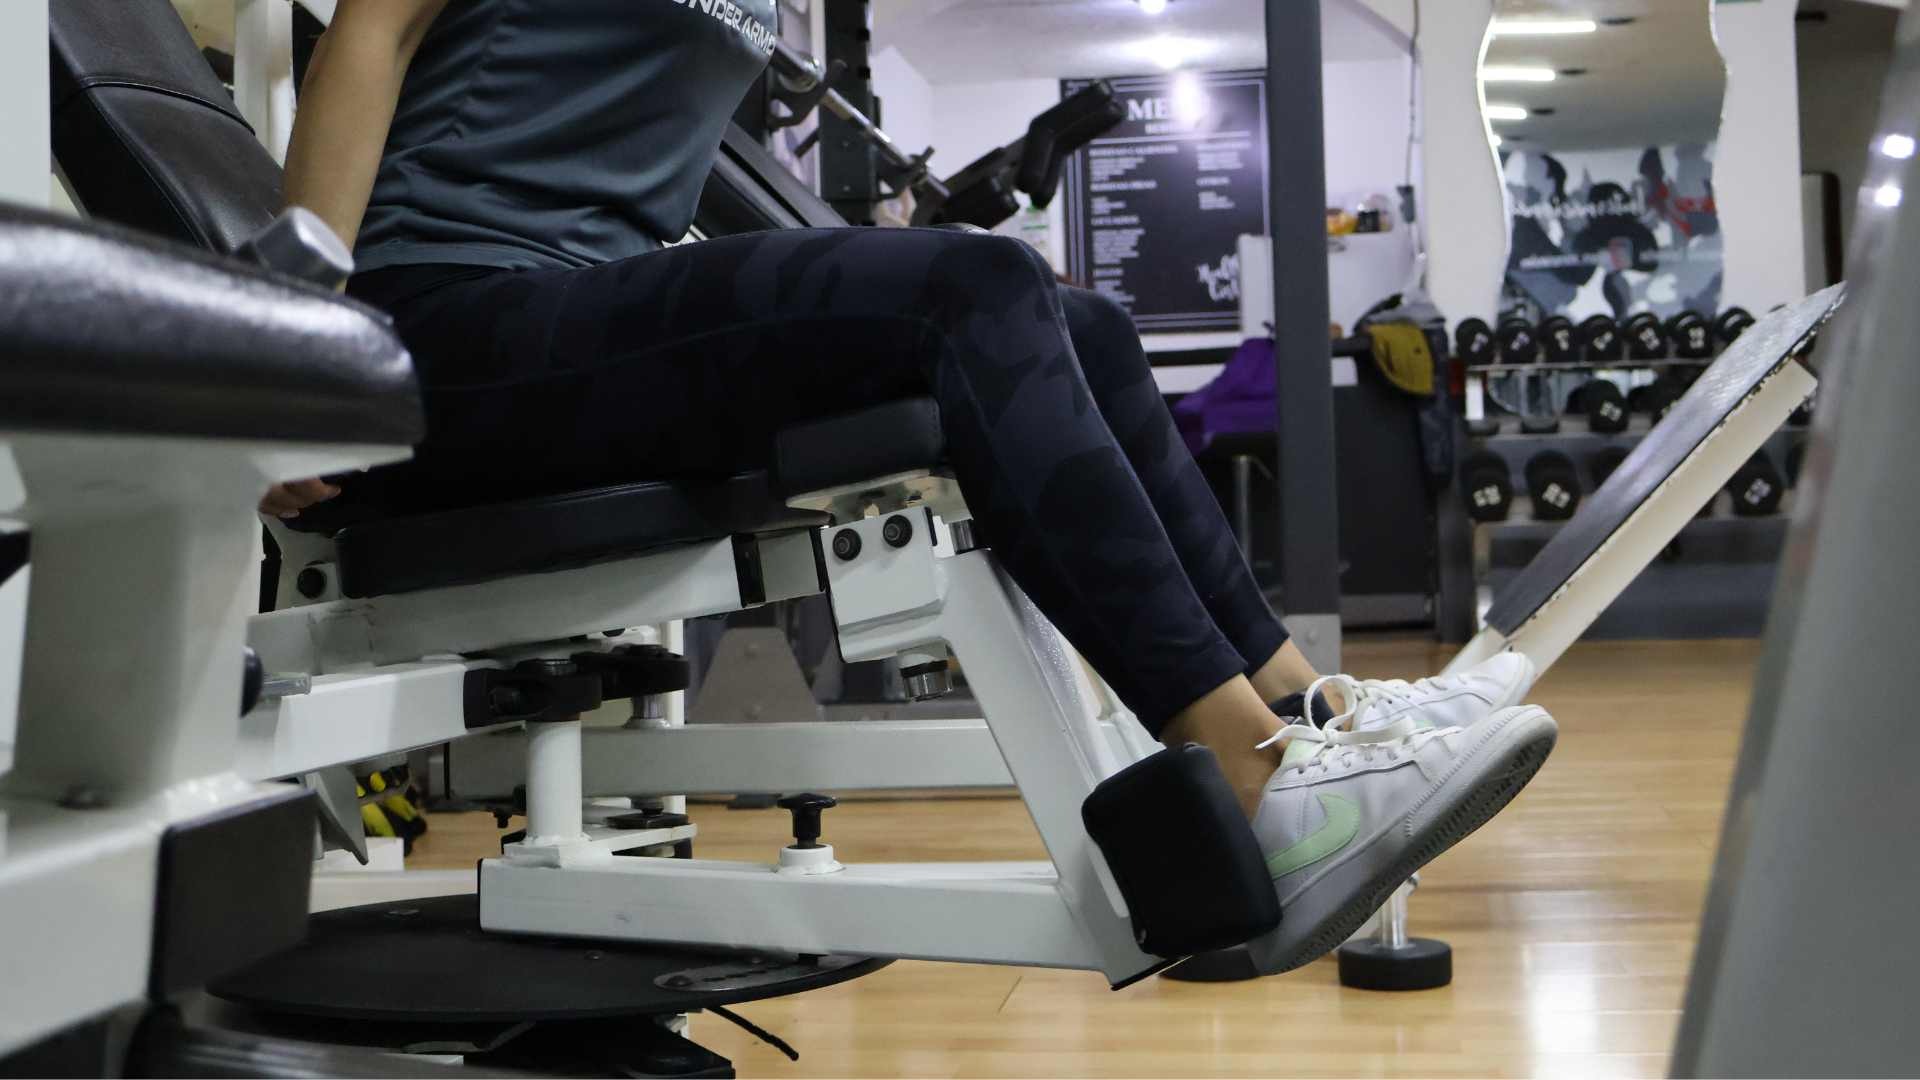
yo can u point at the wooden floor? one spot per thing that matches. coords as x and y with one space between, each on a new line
1572 917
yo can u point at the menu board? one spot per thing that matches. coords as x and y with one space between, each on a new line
1155 208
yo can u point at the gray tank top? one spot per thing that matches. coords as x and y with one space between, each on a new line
557 133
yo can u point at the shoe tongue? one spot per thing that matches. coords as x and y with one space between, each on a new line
1299 750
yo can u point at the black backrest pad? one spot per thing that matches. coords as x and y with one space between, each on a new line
145 133
104 329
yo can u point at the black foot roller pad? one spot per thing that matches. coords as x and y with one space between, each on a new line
1420 964
1183 854
359 964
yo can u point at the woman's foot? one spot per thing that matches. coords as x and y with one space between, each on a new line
1458 700
1350 815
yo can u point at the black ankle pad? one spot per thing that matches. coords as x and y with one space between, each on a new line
1293 707
1182 853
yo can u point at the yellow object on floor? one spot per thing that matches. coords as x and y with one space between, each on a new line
1400 349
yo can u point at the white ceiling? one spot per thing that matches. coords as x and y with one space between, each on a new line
1657 80
965 41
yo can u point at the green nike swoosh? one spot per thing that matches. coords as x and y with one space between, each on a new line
1341 826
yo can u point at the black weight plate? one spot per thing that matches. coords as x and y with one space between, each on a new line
1600 337
1559 341
1473 342
1422 964
1518 342
1646 338
1554 485
356 961
1691 335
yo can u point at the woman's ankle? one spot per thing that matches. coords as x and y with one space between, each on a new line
1232 721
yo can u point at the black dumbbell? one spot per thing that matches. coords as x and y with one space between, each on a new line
1757 487
1604 404
1473 341
1559 341
1691 335
1487 485
1483 428
1605 461
1600 338
1554 485
1796 457
1518 342
1646 338
1731 324
1540 425
1654 399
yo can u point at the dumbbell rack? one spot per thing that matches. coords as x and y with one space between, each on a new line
1715 580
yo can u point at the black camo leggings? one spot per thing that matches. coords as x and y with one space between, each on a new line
682 362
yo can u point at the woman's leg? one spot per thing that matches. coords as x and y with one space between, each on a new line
1123 386
685 361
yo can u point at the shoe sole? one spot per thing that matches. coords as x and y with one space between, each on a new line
1472 809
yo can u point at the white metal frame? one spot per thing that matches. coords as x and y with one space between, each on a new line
126 725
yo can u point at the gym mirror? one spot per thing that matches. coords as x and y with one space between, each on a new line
1604 115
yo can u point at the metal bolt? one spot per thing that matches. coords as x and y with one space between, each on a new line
898 531
82 798
312 583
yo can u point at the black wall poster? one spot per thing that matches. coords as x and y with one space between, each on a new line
1155 208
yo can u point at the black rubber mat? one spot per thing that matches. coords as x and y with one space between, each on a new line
428 961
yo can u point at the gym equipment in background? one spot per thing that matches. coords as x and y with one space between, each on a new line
1796 457
1646 337
1604 405
1488 486
1601 340
1731 324
1473 342
1604 462
1554 485
1541 424
1757 487
1519 343
982 194
1559 340
1690 335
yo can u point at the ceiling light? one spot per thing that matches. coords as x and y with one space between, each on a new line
1168 52
1517 74
1153 7
1541 27
1506 112
1887 195
1898 147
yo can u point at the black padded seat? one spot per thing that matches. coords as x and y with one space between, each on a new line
865 444
144 132
106 330
564 531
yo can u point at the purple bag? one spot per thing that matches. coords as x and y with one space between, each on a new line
1239 401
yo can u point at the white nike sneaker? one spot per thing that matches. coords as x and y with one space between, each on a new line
1350 815
1460 700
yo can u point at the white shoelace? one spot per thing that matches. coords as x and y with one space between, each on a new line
1339 741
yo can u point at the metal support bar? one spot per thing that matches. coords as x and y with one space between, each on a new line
732 759
1297 202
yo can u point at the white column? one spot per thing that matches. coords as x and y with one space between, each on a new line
26 165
